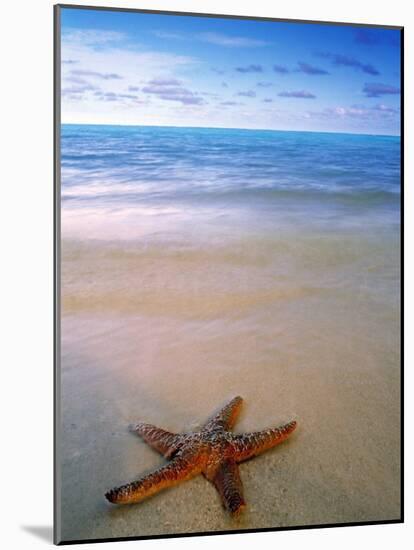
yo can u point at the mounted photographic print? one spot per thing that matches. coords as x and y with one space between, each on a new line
228 274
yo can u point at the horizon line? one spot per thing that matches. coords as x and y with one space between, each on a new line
227 128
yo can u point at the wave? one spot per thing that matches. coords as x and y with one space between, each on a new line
147 192
168 161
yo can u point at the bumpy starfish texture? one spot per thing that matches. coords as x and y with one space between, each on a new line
214 451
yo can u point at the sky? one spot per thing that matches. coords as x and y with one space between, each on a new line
164 70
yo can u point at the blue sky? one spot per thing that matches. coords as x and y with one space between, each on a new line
152 69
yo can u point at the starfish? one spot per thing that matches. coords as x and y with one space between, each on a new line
213 451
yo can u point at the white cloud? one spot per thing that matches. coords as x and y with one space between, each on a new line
377 112
108 65
216 38
230 41
91 37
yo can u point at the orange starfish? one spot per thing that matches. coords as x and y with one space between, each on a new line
213 451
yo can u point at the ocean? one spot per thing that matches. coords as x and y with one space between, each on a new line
202 175
198 264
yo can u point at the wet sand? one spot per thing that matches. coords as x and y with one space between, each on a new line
302 325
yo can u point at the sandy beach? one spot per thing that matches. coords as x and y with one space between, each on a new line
174 339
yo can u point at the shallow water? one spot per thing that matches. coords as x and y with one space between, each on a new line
202 264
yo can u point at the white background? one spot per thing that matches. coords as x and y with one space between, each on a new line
26 230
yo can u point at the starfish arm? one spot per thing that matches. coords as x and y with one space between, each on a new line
179 469
162 441
226 417
246 446
228 483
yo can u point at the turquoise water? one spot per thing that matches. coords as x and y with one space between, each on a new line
244 174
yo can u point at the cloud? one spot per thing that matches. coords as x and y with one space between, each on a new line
172 90
217 71
267 100
96 74
348 111
339 113
112 53
352 62
165 82
215 38
280 69
109 54
113 96
373 37
220 39
229 103
385 109
362 112
169 35
92 37
365 36
310 69
74 80
78 88
248 93
346 61
106 96
300 94
75 87
250 69
209 94
128 96
186 98
69 61
264 84
224 85
378 90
